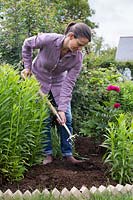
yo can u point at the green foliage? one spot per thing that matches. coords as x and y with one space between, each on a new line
77 10
122 65
97 44
105 60
119 145
126 96
22 19
22 112
56 143
109 196
90 112
94 111
92 104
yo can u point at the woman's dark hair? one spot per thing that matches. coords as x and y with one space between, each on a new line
79 29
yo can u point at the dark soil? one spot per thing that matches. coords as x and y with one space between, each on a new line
61 174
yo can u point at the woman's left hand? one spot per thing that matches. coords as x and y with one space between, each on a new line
62 116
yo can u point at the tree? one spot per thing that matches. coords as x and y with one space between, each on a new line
22 18
79 10
97 44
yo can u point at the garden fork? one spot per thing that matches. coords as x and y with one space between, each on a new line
70 138
54 111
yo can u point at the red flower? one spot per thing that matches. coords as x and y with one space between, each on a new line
117 88
113 87
117 105
110 87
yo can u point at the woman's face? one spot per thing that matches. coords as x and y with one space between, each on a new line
75 44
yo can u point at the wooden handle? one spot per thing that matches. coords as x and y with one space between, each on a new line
52 108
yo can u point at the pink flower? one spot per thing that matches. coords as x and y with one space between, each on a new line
113 87
117 105
110 87
117 88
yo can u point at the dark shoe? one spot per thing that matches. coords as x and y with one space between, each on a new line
72 160
48 160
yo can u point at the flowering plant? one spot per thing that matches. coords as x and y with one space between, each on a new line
117 89
113 87
117 105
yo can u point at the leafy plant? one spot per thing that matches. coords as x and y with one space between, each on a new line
22 112
126 96
22 19
119 145
90 110
94 105
55 142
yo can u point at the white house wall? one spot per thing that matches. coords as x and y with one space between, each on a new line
125 49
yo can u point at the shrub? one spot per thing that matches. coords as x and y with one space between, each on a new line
90 110
122 99
22 112
126 96
93 105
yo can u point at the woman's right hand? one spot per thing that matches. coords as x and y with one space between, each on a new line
62 116
26 73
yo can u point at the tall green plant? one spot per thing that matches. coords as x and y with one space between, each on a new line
22 112
56 142
119 145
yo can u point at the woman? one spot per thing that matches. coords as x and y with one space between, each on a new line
56 67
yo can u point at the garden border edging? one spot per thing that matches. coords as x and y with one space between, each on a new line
83 193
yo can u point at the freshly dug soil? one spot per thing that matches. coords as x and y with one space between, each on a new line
60 174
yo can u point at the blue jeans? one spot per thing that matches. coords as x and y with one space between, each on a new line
66 146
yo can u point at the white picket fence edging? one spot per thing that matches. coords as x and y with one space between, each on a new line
83 193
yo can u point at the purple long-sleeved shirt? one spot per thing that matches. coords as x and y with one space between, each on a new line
53 73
